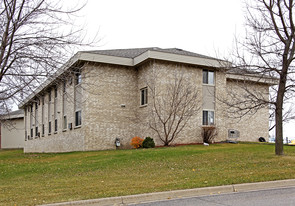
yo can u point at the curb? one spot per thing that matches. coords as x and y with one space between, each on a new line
157 196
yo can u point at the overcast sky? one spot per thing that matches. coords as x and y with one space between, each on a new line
205 27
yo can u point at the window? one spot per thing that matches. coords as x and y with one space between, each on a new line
36 118
26 119
64 86
55 92
49 113
78 99
31 120
49 127
55 112
78 78
208 117
78 120
36 132
55 125
208 77
43 129
64 111
143 96
49 96
42 115
65 123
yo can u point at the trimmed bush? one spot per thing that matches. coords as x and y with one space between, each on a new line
136 142
148 143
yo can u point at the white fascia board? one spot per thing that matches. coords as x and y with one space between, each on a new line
84 56
179 58
141 58
253 78
14 116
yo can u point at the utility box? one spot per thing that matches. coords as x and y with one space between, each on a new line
233 134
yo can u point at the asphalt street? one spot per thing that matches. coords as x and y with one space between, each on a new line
280 197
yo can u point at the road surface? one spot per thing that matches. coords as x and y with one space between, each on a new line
280 197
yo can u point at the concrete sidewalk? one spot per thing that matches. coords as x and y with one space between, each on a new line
148 197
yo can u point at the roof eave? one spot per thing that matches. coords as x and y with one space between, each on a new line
11 117
159 55
124 61
253 78
45 84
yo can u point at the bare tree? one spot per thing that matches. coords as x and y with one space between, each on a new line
209 133
37 37
268 51
172 105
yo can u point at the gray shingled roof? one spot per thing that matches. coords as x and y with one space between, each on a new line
132 53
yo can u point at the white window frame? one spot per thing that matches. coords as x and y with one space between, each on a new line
208 117
78 81
211 74
77 124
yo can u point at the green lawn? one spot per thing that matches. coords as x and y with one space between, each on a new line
29 179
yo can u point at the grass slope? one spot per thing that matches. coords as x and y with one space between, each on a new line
30 179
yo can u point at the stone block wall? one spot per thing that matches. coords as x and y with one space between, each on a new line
65 139
12 134
254 124
111 100
111 108
160 74
220 108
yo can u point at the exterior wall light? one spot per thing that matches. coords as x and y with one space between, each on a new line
117 142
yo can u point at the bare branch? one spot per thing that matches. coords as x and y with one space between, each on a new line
268 50
32 45
173 104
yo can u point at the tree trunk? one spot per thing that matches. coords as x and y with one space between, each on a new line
279 117
279 132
